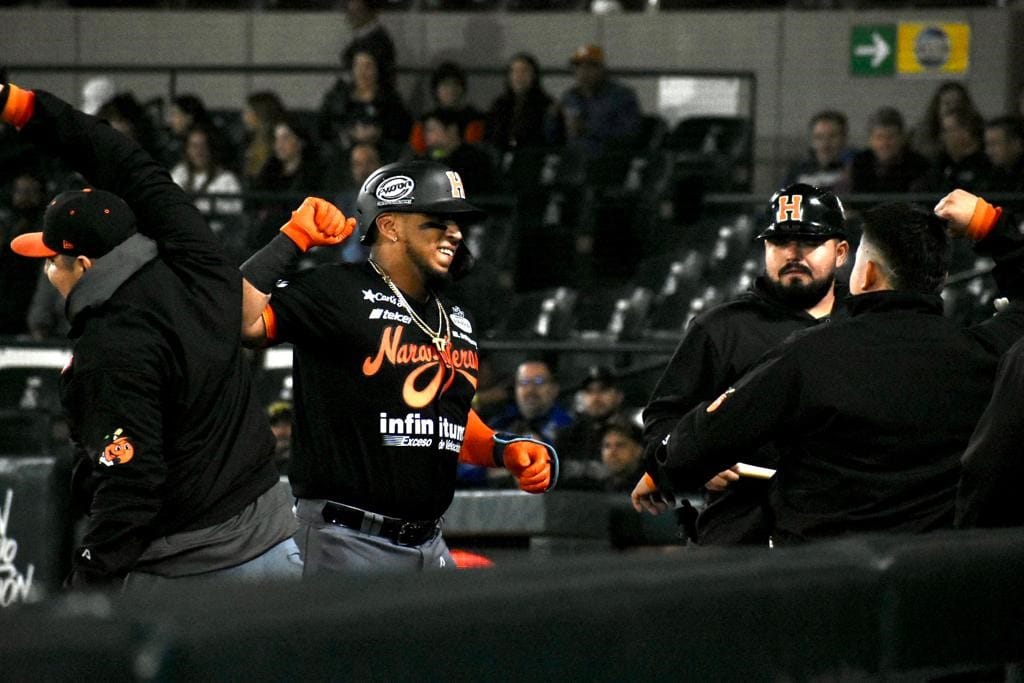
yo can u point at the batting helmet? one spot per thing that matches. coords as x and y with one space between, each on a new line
412 187
804 211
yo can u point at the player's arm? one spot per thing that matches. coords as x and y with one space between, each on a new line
120 472
316 222
533 463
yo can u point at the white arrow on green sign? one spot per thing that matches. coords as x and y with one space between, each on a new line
873 50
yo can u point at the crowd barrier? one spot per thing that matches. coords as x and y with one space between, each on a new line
947 606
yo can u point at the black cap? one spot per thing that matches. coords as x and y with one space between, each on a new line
88 222
600 374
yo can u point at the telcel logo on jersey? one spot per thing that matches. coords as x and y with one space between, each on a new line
410 430
381 314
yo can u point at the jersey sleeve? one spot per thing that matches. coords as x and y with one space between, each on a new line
311 307
121 464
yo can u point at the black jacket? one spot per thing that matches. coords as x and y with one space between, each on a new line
718 348
873 413
169 434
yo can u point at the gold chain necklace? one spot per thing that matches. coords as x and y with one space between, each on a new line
443 323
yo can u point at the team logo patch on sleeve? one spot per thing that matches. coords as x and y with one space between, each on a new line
119 451
717 403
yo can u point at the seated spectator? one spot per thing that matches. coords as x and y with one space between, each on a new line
443 138
1004 147
369 35
534 411
362 88
622 457
596 114
19 275
260 116
962 163
200 173
516 117
888 164
293 172
448 88
184 112
926 138
599 403
363 159
280 415
827 156
363 127
124 113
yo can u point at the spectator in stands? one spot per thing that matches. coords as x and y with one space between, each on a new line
962 163
280 414
369 35
363 128
828 155
184 112
293 172
888 164
260 116
516 118
444 143
622 457
598 405
201 172
864 453
535 411
1004 147
96 92
596 115
448 88
804 235
599 402
125 113
926 138
18 274
363 159
364 90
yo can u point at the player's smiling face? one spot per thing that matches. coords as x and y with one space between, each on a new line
430 241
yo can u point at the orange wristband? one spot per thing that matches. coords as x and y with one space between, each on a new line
477 442
269 322
20 106
983 219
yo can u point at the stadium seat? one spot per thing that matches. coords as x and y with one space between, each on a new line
713 150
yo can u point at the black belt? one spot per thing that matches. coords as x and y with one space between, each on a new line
398 531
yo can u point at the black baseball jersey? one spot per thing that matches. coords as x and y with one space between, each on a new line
379 416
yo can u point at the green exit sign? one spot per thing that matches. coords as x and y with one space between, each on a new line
873 50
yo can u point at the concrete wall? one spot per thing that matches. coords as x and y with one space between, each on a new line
800 59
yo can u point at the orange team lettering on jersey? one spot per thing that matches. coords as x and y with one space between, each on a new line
790 208
427 358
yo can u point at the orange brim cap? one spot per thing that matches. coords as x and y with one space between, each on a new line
31 244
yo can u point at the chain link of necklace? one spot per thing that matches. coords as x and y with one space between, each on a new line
443 323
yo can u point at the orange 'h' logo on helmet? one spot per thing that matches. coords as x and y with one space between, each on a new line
790 208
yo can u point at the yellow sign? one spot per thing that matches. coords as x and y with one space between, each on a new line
933 48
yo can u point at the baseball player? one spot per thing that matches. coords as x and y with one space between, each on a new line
876 410
804 246
174 458
385 367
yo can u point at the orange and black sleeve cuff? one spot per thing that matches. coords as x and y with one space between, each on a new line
269 323
983 220
19 106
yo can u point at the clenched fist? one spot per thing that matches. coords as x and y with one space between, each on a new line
318 223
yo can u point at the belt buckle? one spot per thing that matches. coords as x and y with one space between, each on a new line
410 534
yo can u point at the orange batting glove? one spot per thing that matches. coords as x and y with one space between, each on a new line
318 223
534 464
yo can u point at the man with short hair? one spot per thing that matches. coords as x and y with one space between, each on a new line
1004 147
888 164
805 244
442 134
535 410
174 461
962 162
875 410
827 157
